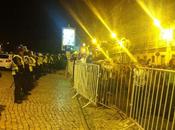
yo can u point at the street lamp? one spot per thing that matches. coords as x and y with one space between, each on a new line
167 34
113 35
157 23
84 44
94 41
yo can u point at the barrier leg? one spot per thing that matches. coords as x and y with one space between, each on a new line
87 104
75 95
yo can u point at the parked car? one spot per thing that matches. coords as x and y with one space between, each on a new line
5 61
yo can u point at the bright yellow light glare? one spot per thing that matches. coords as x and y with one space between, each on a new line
149 13
84 44
120 42
113 35
76 18
83 50
85 29
167 34
145 8
94 41
157 23
97 14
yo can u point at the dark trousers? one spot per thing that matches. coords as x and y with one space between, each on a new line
27 81
18 86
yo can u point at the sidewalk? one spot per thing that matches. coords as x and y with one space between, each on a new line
49 107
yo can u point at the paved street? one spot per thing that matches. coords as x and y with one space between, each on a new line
49 107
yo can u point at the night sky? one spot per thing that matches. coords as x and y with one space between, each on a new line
39 23
36 23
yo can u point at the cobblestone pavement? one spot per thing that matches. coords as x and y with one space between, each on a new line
49 107
101 118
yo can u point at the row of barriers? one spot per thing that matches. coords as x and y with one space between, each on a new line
146 95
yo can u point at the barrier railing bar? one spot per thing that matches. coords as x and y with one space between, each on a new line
171 103
132 98
87 104
145 97
106 88
114 88
152 96
165 101
148 98
136 83
161 98
75 95
129 89
124 101
120 90
155 106
110 89
96 99
116 92
173 124
140 83
142 95
100 85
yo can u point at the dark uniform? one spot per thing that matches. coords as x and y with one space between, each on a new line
17 72
28 77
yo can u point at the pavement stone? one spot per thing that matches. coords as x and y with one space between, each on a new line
49 107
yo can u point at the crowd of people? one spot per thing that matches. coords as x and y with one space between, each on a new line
28 67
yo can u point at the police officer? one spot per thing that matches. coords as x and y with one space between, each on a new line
27 74
40 64
32 65
17 72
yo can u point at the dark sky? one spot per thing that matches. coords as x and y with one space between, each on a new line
39 22
35 22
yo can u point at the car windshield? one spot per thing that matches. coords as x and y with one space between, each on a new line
4 56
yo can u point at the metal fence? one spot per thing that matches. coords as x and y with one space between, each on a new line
153 98
86 81
144 94
70 67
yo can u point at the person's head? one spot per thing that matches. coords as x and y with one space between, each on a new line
20 50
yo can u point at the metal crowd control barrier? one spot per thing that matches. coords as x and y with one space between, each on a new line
86 81
146 95
115 87
153 98
70 67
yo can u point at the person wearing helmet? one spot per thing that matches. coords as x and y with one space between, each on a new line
17 72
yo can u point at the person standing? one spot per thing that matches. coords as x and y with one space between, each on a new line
17 72
27 74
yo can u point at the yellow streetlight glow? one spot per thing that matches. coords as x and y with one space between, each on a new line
157 23
84 44
113 35
94 41
167 34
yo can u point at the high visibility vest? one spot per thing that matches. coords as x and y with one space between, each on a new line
40 60
15 67
26 59
32 63
45 59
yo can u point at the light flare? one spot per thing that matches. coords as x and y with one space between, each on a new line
73 14
120 42
97 14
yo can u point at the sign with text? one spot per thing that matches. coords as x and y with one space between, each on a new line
68 37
